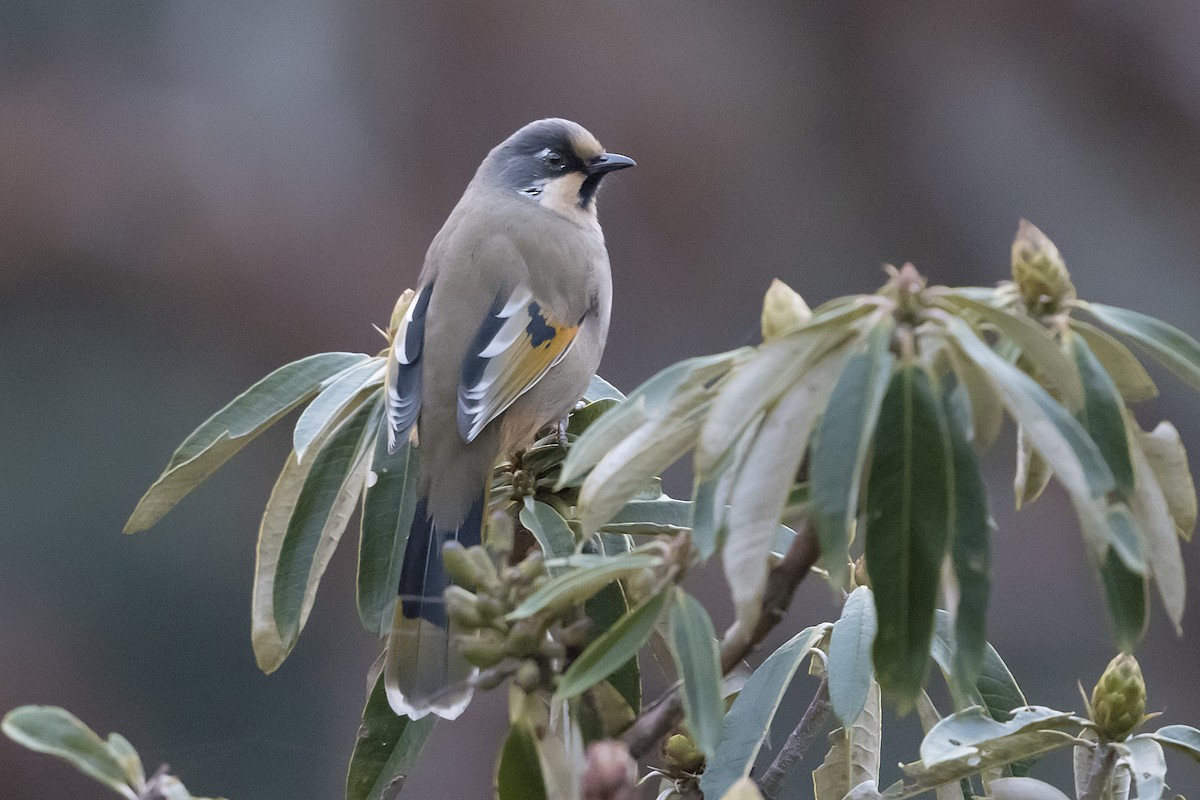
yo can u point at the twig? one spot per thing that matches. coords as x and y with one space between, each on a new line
664 714
1104 758
797 744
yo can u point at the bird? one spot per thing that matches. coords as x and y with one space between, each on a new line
505 331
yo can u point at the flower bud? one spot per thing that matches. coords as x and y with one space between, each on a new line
462 608
525 636
1119 698
531 567
783 310
483 650
1038 269
485 568
528 676
460 566
682 754
611 773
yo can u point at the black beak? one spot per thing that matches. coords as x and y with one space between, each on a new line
609 162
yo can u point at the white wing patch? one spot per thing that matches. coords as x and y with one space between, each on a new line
403 379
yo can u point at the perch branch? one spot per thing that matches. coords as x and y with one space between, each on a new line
797 744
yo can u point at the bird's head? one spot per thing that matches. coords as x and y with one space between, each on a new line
553 162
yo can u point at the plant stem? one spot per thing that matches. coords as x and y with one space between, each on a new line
1104 758
797 744
664 714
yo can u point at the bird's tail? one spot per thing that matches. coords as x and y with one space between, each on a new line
423 672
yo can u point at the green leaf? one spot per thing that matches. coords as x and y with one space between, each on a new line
58 732
1163 556
650 401
600 389
710 498
1103 413
1183 738
582 418
761 489
232 428
1168 345
929 716
650 517
1122 366
1148 765
389 503
1033 473
550 530
850 672
609 651
1164 452
1023 789
130 761
970 553
748 723
1036 344
605 608
840 448
519 771
987 409
910 511
853 755
694 647
1125 593
386 749
970 741
994 688
326 501
329 405
758 382
578 585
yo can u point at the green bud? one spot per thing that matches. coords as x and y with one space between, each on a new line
577 634
532 566
492 610
484 649
528 677
490 680
462 608
682 754
460 566
783 310
1038 269
485 569
525 636
1119 698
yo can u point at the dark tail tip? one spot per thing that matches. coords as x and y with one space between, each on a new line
422 577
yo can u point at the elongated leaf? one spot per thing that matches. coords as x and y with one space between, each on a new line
519 771
1148 765
58 732
994 688
850 670
328 406
600 389
1183 738
609 651
694 647
1149 507
387 514
386 750
625 470
853 756
550 530
1164 452
1125 593
322 510
130 761
578 585
1035 343
762 486
650 401
748 723
971 556
651 516
1122 366
1103 413
1033 473
987 408
929 716
710 498
970 741
605 609
759 382
1171 347
582 418
232 428
1023 789
910 511
840 448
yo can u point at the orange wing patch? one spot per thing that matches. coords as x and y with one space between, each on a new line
516 345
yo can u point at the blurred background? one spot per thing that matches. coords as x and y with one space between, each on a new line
196 193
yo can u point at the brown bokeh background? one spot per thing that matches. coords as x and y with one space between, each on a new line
195 193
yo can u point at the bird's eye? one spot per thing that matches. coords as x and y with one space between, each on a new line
555 159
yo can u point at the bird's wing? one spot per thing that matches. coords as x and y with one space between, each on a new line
403 376
517 343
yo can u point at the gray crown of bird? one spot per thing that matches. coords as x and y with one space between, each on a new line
505 331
